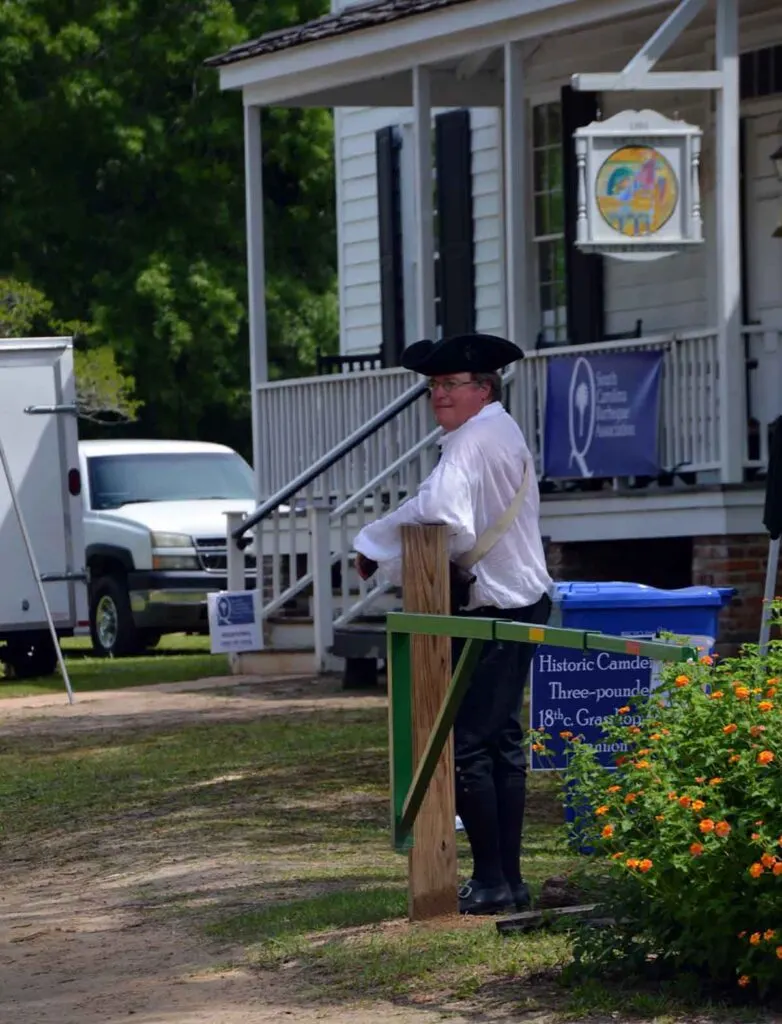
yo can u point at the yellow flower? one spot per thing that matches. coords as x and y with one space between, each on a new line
715 781
698 805
642 764
765 705
741 692
765 757
603 809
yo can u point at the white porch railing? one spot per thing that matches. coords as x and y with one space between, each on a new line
304 419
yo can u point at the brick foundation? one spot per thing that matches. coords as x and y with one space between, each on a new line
736 561
721 561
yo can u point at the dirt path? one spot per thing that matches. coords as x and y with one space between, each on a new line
75 950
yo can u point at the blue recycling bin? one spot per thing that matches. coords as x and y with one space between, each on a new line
576 691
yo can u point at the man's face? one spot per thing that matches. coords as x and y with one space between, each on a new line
456 397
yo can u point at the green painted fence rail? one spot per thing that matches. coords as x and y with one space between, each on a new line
409 784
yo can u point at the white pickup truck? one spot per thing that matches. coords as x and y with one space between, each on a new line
155 536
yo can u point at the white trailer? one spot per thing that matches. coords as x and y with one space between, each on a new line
40 504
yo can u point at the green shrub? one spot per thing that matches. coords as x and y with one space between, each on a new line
688 828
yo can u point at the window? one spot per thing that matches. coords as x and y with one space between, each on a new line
549 224
117 480
760 73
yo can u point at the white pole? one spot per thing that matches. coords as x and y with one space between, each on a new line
517 291
768 596
322 595
34 566
732 420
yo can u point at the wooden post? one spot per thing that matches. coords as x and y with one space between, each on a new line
432 881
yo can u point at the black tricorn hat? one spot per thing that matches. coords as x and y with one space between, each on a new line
463 353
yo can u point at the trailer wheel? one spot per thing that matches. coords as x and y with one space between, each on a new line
111 619
30 656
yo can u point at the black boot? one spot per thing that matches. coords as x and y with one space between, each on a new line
487 892
511 789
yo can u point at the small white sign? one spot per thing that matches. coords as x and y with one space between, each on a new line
234 622
638 186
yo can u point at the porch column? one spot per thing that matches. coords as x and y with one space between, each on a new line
515 177
256 284
732 398
422 136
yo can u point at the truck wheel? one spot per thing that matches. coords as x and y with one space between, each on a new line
111 620
30 656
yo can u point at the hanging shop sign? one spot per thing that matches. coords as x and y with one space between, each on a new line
638 186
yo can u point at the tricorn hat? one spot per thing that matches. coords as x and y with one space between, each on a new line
463 353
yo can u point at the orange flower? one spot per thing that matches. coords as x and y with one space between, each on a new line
642 764
741 692
778 868
673 796
613 789
774 681
623 711
717 695
659 817
769 934
700 779
538 748
728 729
608 831
666 732
754 939
632 863
644 752
744 980
771 691
604 809
756 730
722 828
685 801
715 781
779 952
755 837
768 861
565 734
645 865
633 729
733 758
617 856
742 934
682 681
765 757
756 870
696 849
707 825
630 798
698 805
765 705
706 660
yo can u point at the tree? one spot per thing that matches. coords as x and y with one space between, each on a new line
122 197
103 393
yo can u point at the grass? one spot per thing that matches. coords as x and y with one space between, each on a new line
293 813
176 659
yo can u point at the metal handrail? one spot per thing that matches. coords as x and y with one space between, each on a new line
325 462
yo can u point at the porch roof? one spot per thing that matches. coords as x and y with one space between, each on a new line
351 19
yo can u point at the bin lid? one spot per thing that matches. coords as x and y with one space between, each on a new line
638 595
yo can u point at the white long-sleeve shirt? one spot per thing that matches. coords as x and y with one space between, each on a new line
475 481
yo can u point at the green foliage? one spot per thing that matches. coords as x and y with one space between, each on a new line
687 829
122 197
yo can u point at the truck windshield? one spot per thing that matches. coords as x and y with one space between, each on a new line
117 480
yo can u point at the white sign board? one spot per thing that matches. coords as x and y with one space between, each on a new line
234 622
638 186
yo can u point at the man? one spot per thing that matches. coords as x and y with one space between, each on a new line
481 473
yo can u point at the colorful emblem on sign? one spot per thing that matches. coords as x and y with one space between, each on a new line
636 191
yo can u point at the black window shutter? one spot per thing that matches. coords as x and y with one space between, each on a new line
584 273
456 264
389 209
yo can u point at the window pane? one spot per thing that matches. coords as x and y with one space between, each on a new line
556 213
555 167
544 262
541 215
539 159
554 123
539 125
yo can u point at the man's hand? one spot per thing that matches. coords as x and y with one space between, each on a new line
365 567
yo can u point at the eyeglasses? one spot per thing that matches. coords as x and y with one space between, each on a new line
447 385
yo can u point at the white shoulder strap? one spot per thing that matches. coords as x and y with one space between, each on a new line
489 537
